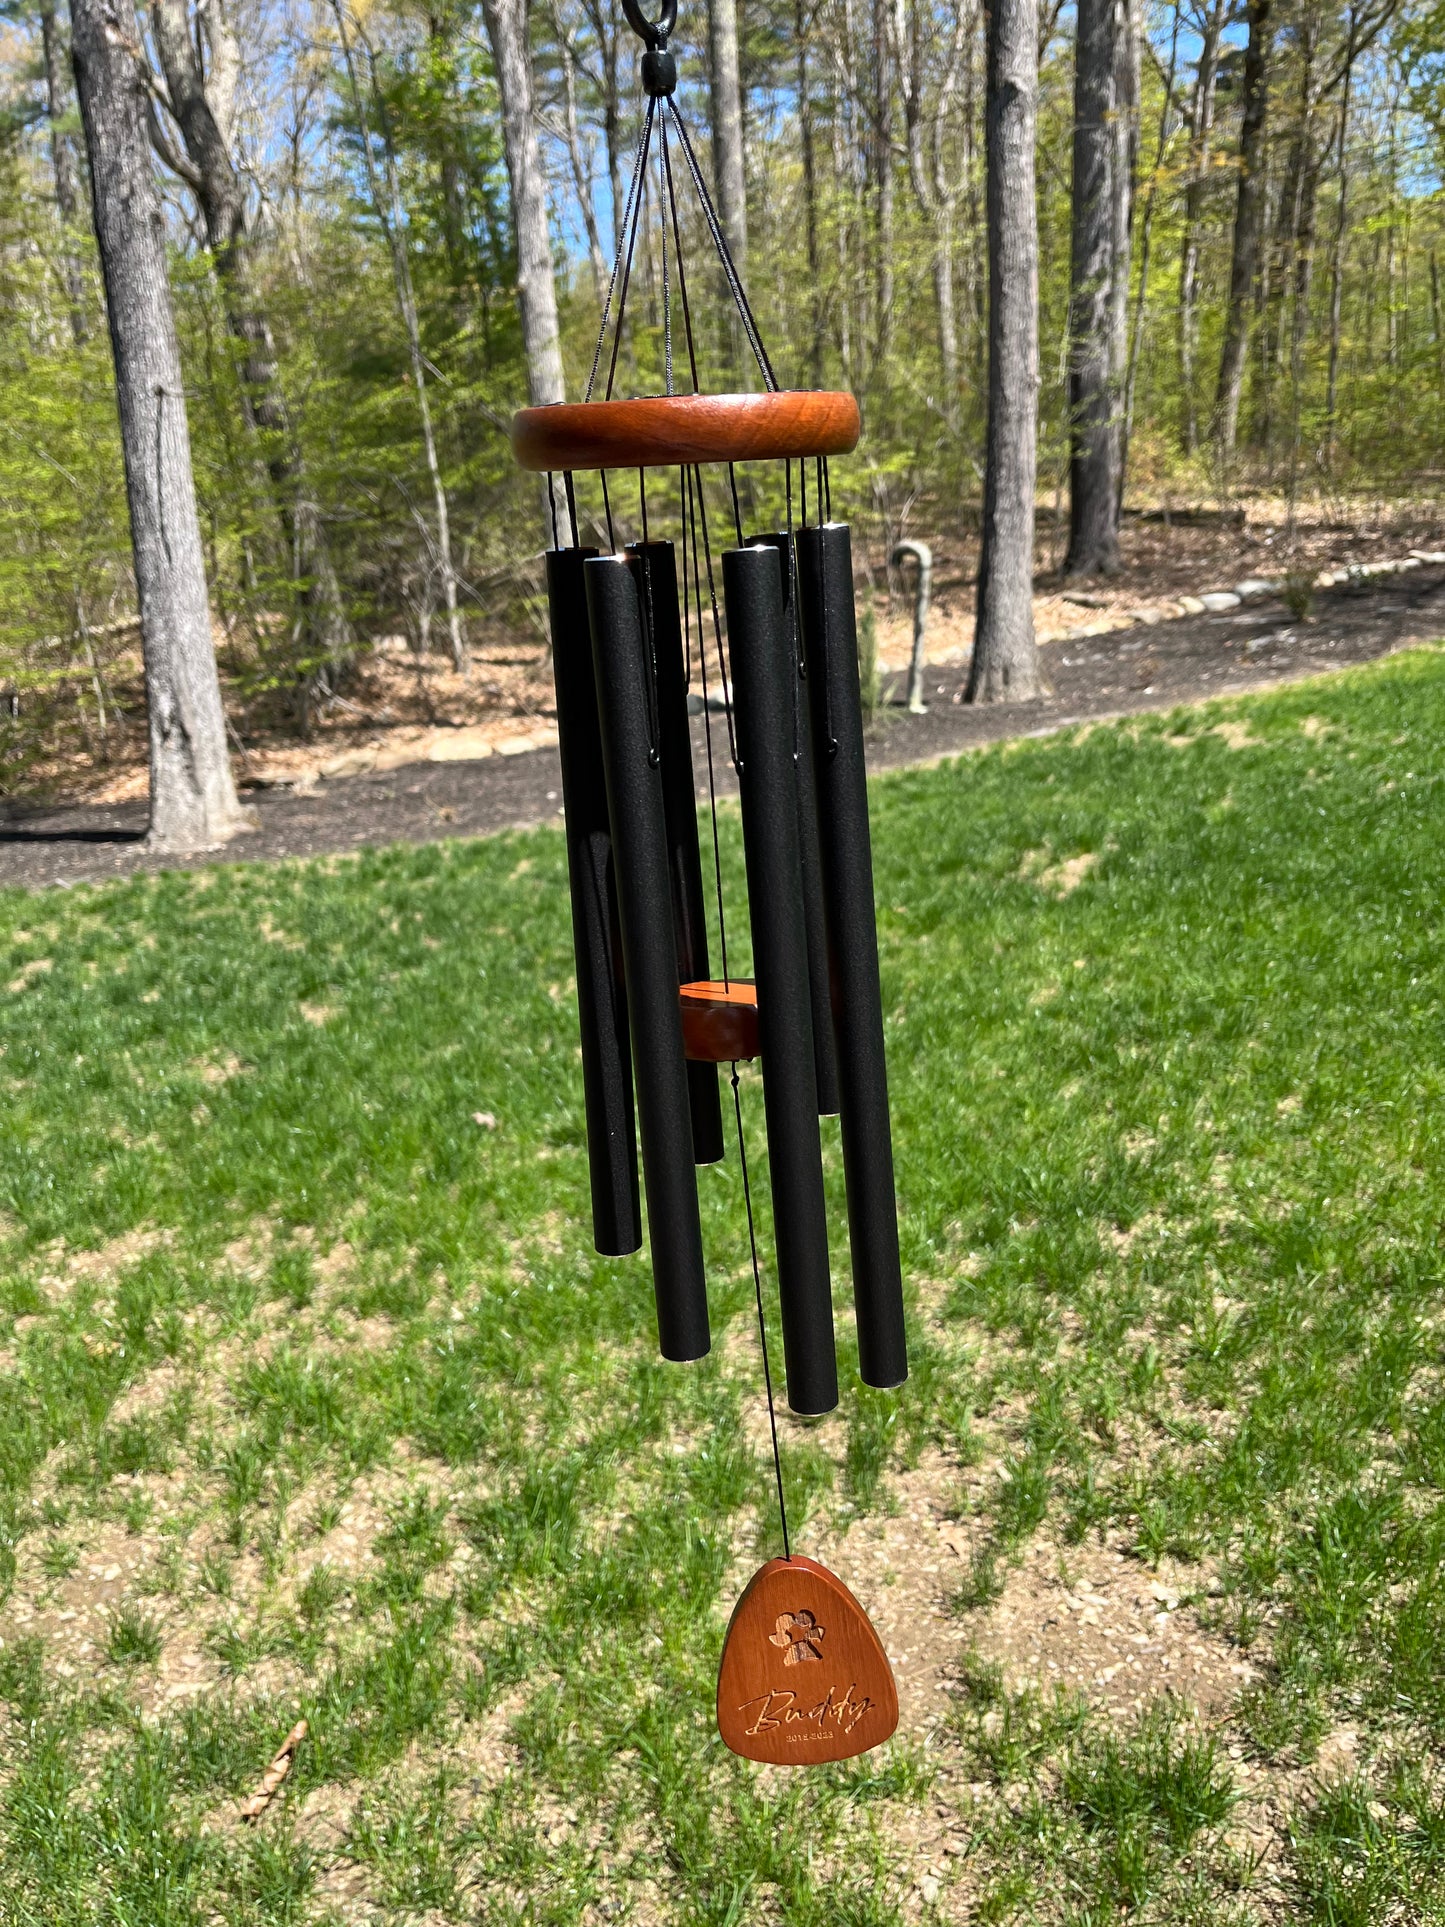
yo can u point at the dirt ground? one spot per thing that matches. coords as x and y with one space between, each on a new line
1165 554
409 756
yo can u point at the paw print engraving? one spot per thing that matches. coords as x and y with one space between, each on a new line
800 1633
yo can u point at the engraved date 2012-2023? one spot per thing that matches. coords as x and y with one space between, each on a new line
780 1708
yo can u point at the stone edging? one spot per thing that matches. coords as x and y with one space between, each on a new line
1255 588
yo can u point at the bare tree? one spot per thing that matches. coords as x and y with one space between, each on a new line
62 162
1337 249
881 168
729 163
193 799
387 207
611 35
1146 237
579 155
935 189
536 285
842 44
196 93
1105 137
1201 127
802 20
1364 24
1248 221
1005 664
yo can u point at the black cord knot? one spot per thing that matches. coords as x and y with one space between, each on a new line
659 73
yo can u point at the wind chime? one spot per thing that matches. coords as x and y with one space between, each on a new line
804 1678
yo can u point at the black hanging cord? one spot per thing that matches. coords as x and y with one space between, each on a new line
677 245
793 603
762 1322
659 76
690 524
637 165
694 511
632 221
571 492
630 238
724 253
722 666
666 283
737 512
686 588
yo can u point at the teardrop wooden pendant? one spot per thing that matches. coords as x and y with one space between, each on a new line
804 1677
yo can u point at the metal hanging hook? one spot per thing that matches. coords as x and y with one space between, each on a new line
654 32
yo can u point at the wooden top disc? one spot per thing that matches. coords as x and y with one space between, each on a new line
666 431
804 1677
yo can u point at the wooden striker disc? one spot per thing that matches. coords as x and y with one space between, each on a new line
665 431
804 1677
719 1021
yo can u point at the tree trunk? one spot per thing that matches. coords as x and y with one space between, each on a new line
1201 128
201 100
608 40
1005 656
1392 311
1126 170
452 192
62 161
389 215
1104 104
193 799
607 27
947 313
1302 281
581 172
1141 299
881 151
916 51
810 192
1247 222
844 228
729 161
977 241
1293 249
536 285
1267 342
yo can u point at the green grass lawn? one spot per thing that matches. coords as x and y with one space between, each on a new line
317 1403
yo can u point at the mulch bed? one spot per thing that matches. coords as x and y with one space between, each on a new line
1127 671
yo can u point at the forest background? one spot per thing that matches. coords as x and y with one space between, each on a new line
344 262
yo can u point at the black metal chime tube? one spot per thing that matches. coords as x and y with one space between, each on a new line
627 706
655 565
596 934
825 1056
764 685
830 641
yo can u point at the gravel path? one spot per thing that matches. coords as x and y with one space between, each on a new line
1124 672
